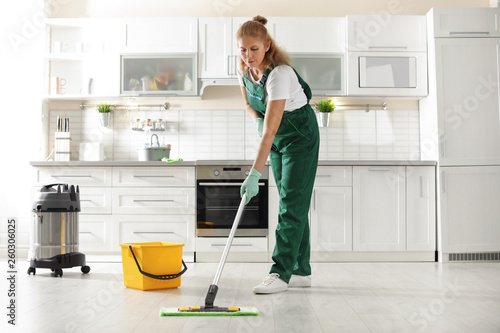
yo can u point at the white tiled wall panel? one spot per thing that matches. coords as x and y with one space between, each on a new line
231 135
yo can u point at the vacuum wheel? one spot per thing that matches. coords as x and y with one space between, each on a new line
85 269
32 270
58 272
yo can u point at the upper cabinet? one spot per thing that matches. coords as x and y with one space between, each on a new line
465 22
308 34
387 56
82 57
386 33
218 49
165 34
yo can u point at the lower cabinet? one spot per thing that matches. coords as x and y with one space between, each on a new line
369 213
331 219
470 209
379 208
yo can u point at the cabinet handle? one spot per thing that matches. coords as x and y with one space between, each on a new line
379 169
323 176
231 245
85 232
388 47
153 232
314 199
229 65
469 32
146 200
71 176
85 200
206 39
153 176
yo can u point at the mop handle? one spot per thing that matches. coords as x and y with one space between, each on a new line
230 239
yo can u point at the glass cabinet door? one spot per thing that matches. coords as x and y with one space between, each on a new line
158 74
323 73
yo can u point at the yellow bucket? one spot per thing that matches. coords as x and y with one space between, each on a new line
154 265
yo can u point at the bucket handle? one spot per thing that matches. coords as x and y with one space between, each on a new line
158 277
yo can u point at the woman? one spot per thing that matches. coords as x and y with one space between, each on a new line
278 100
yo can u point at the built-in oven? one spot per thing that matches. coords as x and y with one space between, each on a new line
218 198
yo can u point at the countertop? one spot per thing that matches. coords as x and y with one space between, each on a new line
219 162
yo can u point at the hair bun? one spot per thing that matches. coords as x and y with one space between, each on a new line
260 19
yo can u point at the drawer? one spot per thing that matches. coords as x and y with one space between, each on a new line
155 228
144 201
333 176
81 176
154 176
95 200
240 244
94 232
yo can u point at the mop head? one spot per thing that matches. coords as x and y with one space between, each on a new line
213 311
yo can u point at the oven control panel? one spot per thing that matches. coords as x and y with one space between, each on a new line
227 172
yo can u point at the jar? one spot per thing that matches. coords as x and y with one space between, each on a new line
159 124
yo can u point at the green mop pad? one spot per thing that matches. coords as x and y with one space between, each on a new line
214 311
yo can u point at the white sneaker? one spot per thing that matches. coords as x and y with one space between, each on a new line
271 284
300 281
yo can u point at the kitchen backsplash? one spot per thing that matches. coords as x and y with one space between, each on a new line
228 135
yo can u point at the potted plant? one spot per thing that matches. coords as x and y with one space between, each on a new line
325 107
104 111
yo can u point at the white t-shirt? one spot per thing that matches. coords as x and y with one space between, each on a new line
282 83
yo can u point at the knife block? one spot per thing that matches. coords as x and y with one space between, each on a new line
62 146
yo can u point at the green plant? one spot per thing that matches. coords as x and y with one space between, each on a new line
104 108
325 105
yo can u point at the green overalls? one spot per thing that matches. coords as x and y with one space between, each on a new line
294 160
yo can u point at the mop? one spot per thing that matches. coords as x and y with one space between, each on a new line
209 309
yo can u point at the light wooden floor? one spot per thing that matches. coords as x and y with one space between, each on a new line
345 297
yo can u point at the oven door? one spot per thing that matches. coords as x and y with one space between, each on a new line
217 204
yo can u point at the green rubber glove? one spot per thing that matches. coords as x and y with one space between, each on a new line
251 185
260 125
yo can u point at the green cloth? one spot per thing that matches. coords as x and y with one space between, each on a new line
169 160
294 161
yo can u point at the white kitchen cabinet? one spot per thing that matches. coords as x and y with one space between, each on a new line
243 249
95 200
85 54
136 228
470 211
153 176
95 233
82 176
331 210
468 100
420 208
465 22
379 208
308 34
154 200
386 33
161 34
331 219
216 51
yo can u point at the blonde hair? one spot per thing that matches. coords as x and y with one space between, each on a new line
255 28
